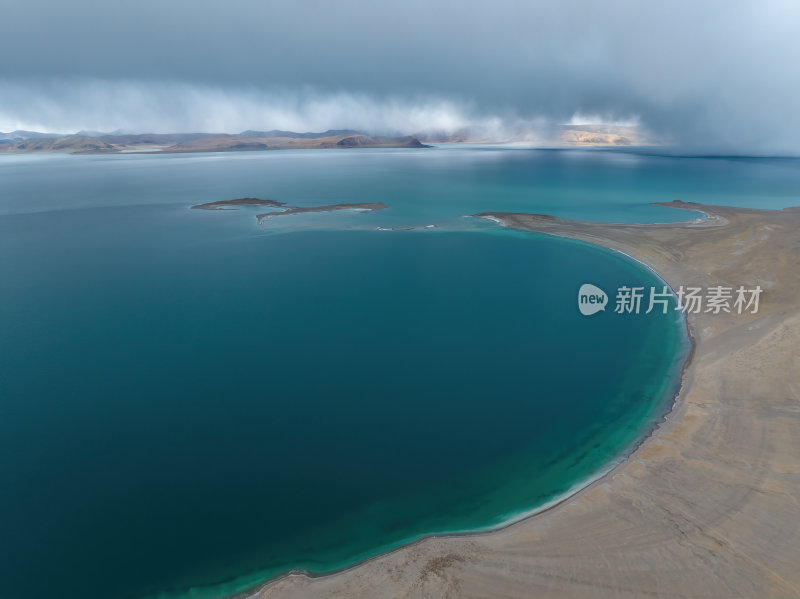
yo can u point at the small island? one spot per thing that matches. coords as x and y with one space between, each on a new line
362 206
232 204
284 209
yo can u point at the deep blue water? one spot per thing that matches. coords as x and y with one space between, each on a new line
189 400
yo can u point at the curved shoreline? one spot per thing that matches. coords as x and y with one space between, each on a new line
670 403
664 402
672 251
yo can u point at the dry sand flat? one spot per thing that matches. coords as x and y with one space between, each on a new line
709 505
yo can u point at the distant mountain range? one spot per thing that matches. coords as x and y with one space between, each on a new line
89 142
95 142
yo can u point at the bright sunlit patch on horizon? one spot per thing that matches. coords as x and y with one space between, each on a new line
581 118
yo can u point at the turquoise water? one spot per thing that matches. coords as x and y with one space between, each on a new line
190 401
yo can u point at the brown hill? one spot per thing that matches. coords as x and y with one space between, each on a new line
71 144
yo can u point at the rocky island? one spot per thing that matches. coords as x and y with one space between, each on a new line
285 210
234 204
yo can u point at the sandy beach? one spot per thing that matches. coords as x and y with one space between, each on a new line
709 504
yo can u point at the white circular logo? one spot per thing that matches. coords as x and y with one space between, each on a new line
591 299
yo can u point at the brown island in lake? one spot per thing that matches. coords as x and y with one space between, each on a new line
708 505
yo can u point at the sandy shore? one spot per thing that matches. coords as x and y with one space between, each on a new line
709 505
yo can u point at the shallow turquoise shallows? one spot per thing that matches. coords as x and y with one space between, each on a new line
191 404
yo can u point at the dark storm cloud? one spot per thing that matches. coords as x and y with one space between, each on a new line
715 74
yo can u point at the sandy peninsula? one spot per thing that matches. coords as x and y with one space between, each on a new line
708 505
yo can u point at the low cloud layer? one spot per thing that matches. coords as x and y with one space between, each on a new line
65 106
715 75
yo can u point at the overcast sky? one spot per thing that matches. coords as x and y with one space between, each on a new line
714 74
